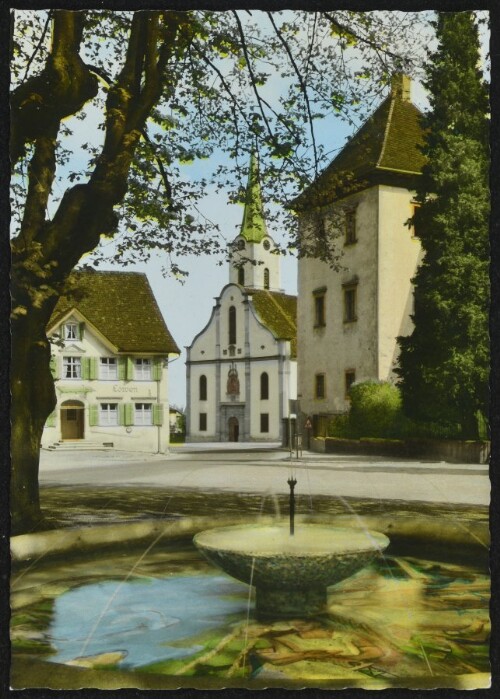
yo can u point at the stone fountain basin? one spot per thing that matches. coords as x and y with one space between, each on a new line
316 556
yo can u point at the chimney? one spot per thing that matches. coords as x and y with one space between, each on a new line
401 86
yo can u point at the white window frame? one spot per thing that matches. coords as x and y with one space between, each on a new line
74 365
105 366
71 331
108 414
143 414
143 369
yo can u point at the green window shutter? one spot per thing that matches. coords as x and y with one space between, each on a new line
129 413
53 366
122 368
121 413
81 330
157 368
51 420
92 368
85 368
130 369
158 414
93 415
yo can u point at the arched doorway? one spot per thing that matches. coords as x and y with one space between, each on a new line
233 429
72 419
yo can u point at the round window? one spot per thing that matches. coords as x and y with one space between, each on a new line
266 244
241 244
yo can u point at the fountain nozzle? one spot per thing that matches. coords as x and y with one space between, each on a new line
292 482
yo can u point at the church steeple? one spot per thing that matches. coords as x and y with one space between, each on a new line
253 226
254 263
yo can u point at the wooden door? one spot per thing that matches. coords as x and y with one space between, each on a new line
72 426
233 429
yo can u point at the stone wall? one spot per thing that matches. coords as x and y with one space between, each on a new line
452 451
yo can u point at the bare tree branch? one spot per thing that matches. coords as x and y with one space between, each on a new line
302 85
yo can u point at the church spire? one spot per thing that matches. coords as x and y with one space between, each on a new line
253 226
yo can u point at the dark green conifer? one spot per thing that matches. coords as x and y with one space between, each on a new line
444 363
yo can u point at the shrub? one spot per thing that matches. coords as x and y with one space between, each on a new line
375 409
339 426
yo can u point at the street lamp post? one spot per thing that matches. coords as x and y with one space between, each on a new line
292 482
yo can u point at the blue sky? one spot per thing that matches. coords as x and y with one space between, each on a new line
187 306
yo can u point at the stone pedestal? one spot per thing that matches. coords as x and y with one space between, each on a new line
273 603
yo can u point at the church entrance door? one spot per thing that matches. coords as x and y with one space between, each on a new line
233 429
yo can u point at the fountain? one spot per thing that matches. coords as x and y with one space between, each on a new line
290 571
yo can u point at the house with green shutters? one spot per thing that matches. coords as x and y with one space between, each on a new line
110 354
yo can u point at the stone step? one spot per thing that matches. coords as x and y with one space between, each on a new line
78 446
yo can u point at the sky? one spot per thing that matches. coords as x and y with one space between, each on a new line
187 306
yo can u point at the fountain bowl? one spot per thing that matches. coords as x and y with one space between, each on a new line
290 573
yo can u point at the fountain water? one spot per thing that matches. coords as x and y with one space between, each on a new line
290 570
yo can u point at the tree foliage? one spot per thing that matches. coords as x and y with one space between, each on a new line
108 111
444 363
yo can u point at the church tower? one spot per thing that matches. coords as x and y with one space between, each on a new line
253 264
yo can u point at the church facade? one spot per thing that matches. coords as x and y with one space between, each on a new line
241 369
349 319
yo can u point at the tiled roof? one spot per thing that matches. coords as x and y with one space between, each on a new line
121 305
278 312
387 144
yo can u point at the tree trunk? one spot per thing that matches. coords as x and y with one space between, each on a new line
33 399
46 251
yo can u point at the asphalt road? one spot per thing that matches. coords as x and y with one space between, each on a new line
258 470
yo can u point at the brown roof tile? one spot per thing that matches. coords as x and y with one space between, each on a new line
278 312
389 142
121 305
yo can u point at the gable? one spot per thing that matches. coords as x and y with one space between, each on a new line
386 149
121 307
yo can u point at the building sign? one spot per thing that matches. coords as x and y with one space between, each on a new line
124 389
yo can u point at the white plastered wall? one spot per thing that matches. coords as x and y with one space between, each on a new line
150 438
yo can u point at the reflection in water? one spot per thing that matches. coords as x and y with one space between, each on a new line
401 617
144 619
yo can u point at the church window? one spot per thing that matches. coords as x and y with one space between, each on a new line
319 386
241 276
241 244
203 422
232 325
264 386
266 244
264 422
203 387
350 227
350 378
266 278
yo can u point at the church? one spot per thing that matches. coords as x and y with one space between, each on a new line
241 369
349 318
